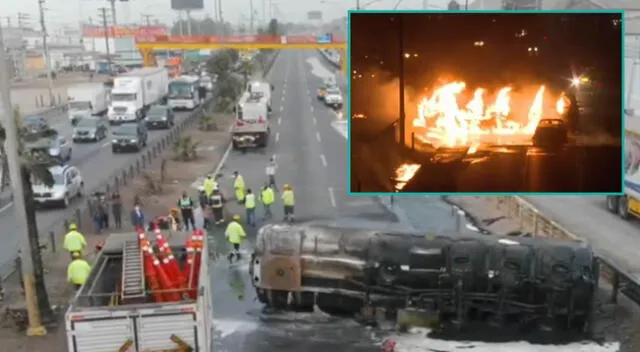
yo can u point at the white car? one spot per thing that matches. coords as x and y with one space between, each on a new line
333 98
67 184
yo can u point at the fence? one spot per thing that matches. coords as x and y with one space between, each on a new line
537 224
51 237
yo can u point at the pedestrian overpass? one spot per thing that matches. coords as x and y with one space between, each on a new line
149 45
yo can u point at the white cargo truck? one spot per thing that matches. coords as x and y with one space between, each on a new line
251 128
628 205
133 92
86 99
115 309
261 87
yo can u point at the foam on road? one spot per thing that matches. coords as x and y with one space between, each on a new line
612 238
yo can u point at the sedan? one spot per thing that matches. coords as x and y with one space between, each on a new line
159 117
89 129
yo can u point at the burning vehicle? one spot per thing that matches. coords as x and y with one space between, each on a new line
456 279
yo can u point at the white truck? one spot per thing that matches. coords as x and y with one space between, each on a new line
183 93
115 309
133 92
86 99
251 127
628 205
261 87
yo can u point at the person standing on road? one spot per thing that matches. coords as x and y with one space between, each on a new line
250 207
217 206
74 241
78 270
289 202
267 197
105 211
271 169
137 217
186 210
93 212
239 187
116 209
209 185
235 234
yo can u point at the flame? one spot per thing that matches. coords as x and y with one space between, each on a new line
447 122
404 173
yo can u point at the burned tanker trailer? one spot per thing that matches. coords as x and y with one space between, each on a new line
459 279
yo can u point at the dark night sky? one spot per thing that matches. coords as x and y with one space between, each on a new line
446 40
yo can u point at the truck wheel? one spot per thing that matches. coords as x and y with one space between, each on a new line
612 204
338 305
623 208
277 299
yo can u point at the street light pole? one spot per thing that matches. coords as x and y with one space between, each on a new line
15 175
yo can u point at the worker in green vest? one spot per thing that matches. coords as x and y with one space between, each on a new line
239 187
209 185
289 202
250 207
78 270
235 234
186 210
74 241
267 196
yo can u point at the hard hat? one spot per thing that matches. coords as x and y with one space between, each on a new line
73 227
236 217
75 255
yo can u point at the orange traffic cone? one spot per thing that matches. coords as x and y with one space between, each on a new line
170 294
168 260
150 273
189 267
198 259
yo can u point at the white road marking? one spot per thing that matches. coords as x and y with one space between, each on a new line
277 137
282 97
314 121
105 144
332 198
279 120
324 160
311 107
281 108
7 206
318 137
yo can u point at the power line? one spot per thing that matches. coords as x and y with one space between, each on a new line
45 50
103 13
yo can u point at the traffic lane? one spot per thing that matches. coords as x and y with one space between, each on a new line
102 164
587 217
239 322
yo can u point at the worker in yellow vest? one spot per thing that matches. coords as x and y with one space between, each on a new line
78 270
209 185
250 207
239 187
267 196
235 234
289 202
74 241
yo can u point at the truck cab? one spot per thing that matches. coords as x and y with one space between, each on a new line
126 100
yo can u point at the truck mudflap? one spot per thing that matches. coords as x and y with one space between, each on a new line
163 332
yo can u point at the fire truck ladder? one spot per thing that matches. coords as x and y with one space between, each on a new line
133 283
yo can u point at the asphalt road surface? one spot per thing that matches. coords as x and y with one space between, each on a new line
94 160
312 159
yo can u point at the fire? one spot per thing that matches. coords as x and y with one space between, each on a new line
404 173
450 123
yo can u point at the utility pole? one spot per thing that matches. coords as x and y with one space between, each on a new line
188 22
265 21
425 4
93 39
104 15
13 159
147 19
221 18
45 51
403 121
251 17
357 4
113 12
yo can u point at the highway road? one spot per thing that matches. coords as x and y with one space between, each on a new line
587 217
95 161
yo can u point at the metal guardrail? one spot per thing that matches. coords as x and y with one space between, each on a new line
534 222
329 58
51 237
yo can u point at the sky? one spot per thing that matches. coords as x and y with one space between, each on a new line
69 12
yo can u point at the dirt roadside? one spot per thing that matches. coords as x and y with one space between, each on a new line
619 322
157 198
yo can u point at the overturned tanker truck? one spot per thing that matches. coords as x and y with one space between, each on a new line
528 283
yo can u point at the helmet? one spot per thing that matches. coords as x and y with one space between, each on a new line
73 227
75 255
236 217
287 187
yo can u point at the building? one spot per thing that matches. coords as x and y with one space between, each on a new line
120 40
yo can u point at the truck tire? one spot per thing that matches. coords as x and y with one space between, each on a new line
303 302
339 305
612 204
623 208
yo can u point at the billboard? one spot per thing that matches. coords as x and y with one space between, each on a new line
89 31
183 5
314 15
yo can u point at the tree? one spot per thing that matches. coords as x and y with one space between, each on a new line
34 167
273 28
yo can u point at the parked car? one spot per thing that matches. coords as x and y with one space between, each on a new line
67 184
90 129
129 137
160 117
